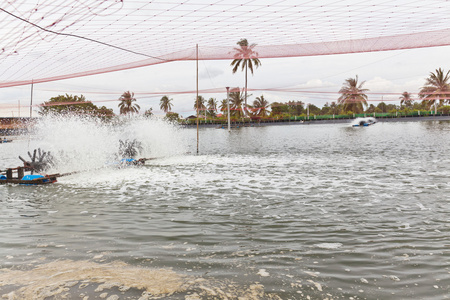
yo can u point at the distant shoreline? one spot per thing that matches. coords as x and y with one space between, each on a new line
329 121
10 130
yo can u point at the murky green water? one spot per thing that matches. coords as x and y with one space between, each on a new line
278 212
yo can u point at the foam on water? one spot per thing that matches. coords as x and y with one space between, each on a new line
329 245
68 279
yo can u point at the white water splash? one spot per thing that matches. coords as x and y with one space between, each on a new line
361 121
81 143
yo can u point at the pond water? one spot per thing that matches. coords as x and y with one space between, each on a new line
276 212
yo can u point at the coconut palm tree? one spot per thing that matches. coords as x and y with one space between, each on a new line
436 89
212 107
224 107
353 96
236 101
246 58
260 106
126 104
165 104
201 105
405 99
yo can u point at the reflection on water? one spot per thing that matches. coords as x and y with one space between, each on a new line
279 212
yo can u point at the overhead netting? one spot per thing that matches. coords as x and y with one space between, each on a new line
49 40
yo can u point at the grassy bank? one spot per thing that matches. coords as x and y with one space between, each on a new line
383 117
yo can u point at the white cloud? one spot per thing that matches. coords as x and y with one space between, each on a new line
380 85
209 73
317 84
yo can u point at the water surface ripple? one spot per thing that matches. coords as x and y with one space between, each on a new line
318 211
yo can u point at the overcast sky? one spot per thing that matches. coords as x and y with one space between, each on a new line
387 74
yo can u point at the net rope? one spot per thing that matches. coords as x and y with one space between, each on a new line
50 40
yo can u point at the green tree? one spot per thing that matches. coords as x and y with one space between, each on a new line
436 89
296 107
246 58
325 109
330 109
68 104
314 110
382 107
200 102
236 101
278 108
212 107
165 104
261 106
172 117
420 106
334 108
224 107
405 99
445 109
126 104
391 108
371 108
353 97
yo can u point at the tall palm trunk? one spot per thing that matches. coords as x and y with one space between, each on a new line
245 103
436 103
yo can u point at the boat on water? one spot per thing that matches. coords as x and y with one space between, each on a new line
363 122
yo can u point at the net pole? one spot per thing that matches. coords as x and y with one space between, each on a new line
196 51
228 108
31 100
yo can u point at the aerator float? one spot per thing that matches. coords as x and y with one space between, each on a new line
41 161
128 150
37 164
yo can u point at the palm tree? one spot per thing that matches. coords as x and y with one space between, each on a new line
126 104
245 57
200 102
224 106
236 100
353 96
165 104
436 89
405 99
212 107
260 106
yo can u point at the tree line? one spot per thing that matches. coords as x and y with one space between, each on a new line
434 95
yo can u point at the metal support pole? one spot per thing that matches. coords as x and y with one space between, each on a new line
196 48
228 108
31 101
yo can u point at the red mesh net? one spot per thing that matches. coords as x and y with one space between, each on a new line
49 40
